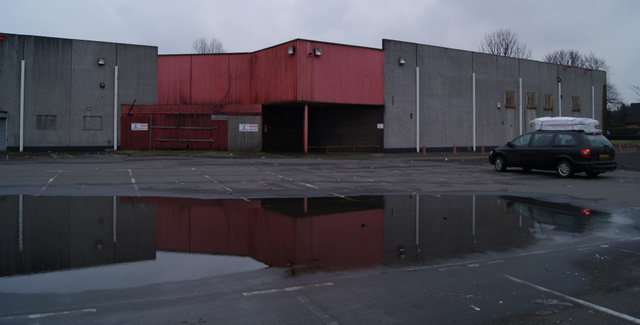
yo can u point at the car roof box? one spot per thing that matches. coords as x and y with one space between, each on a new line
565 123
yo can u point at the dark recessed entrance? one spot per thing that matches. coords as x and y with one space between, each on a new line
331 127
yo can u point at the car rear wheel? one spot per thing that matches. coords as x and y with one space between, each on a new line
564 168
500 164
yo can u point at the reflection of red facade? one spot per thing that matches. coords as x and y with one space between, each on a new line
234 227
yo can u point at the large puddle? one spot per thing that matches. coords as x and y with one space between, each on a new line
69 244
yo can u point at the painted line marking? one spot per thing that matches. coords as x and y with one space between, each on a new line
288 289
133 180
34 316
582 302
317 311
44 315
49 182
229 191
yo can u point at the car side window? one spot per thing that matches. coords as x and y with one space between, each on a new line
521 141
541 139
565 140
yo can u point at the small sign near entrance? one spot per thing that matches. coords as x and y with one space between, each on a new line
248 128
139 126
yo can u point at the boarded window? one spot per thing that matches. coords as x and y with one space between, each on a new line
510 99
548 101
576 103
46 122
93 123
532 100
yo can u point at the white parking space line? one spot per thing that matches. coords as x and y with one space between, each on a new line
44 315
229 190
133 180
582 302
287 289
49 182
317 311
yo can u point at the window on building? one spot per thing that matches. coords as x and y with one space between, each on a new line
510 99
576 103
548 101
532 100
46 122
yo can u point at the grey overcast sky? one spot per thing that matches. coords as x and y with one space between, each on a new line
608 28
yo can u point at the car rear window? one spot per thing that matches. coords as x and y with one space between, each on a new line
597 140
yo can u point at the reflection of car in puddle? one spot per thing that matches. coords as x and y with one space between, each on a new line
564 216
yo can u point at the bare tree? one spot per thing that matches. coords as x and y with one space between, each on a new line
636 89
505 42
576 59
204 46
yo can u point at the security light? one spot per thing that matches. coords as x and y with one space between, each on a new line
101 61
317 52
401 61
291 50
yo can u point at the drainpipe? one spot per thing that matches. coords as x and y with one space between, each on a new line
559 97
473 82
593 105
520 103
115 109
22 76
417 109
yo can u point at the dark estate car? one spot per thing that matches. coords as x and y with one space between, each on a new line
566 152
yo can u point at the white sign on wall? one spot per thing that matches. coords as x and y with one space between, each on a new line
139 126
248 128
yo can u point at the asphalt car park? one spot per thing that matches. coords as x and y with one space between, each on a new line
582 277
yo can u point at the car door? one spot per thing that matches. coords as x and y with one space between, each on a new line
539 155
517 155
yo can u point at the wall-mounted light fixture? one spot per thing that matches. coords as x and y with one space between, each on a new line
317 51
291 50
101 61
498 105
401 60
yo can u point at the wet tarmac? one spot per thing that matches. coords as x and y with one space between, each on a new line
318 240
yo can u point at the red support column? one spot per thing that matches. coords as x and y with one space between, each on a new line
305 130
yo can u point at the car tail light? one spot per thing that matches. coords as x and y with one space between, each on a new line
585 153
585 211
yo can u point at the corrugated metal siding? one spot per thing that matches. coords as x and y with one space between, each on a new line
220 79
342 74
174 79
174 131
274 75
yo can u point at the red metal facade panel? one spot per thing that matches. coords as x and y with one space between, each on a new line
174 80
173 131
220 79
341 74
274 75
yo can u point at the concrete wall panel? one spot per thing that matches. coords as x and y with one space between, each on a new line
502 86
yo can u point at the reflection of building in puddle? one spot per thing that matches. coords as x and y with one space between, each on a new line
423 228
563 216
42 233
51 233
